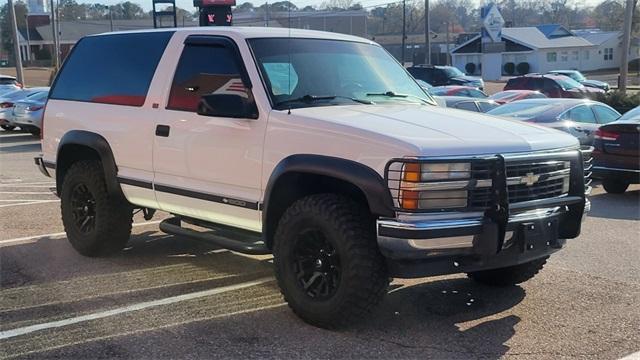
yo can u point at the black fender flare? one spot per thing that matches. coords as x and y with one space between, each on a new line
363 177
100 145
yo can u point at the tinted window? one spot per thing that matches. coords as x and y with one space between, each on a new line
112 69
476 93
605 115
467 105
204 70
521 110
487 106
534 84
582 114
550 85
7 81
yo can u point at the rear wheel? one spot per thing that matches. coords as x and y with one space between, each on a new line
511 275
96 223
7 127
327 262
615 186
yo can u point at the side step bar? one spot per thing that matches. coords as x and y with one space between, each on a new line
240 241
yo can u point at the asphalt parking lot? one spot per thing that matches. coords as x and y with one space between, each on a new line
171 297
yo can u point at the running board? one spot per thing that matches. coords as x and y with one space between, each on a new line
236 240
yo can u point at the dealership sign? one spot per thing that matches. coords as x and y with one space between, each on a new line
492 22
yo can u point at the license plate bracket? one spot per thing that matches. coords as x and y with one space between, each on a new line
535 235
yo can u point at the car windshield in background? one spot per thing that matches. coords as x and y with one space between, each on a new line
316 72
577 76
520 110
452 72
567 83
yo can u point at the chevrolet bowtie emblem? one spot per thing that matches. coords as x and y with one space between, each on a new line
529 179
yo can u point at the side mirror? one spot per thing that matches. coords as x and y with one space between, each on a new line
228 105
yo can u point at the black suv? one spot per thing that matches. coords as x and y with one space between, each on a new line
444 75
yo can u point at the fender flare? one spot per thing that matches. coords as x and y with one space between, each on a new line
100 145
363 177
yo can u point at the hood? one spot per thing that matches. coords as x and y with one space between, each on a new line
595 83
467 78
436 131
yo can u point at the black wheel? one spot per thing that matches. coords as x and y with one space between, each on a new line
7 127
509 276
96 224
327 261
614 186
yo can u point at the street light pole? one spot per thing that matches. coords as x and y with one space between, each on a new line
404 29
16 44
427 35
26 18
626 45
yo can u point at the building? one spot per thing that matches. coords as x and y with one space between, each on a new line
549 47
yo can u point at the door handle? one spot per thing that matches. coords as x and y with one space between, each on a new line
163 130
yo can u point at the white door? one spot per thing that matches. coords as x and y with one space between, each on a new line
208 167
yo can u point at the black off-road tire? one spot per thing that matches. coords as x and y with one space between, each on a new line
112 216
350 230
511 275
614 186
7 127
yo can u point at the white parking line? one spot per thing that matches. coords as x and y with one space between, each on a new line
31 202
19 183
634 356
27 192
135 307
53 235
28 186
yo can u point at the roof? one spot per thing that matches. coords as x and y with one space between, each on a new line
535 38
254 32
597 37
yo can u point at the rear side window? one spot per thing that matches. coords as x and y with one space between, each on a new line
6 81
604 114
204 69
467 105
582 114
111 69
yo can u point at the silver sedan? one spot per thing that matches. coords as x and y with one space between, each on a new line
27 113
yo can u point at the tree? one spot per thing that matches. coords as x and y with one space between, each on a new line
127 10
71 10
246 6
5 24
609 15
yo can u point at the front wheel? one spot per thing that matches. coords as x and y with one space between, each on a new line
510 275
96 223
614 186
327 262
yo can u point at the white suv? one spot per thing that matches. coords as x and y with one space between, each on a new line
317 147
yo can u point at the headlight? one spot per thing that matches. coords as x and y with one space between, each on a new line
436 185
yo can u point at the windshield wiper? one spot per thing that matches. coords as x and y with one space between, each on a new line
392 94
312 98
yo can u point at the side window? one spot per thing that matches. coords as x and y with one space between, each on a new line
550 85
582 114
202 70
439 76
467 105
535 84
112 69
486 106
604 114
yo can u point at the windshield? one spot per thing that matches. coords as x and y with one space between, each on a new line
452 72
568 83
316 72
633 114
521 110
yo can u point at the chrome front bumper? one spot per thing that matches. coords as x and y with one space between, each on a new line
425 238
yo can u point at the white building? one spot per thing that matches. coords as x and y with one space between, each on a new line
549 47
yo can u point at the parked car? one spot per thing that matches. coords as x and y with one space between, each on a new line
458 90
577 76
508 96
444 75
553 86
470 104
7 101
579 117
633 114
8 84
616 154
232 129
27 113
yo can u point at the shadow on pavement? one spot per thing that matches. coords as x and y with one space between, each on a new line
18 137
616 206
20 148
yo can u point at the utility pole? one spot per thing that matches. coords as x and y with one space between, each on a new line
26 19
404 29
16 44
626 45
266 13
447 57
427 35
55 56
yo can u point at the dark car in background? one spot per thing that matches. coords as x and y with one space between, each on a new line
444 75
458 90
577 76
578 117
508 96
616 154
553 86
470 104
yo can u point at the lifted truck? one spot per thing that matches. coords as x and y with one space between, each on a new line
316 147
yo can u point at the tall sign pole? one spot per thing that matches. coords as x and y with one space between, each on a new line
16 44
404 29
427 35
626 45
